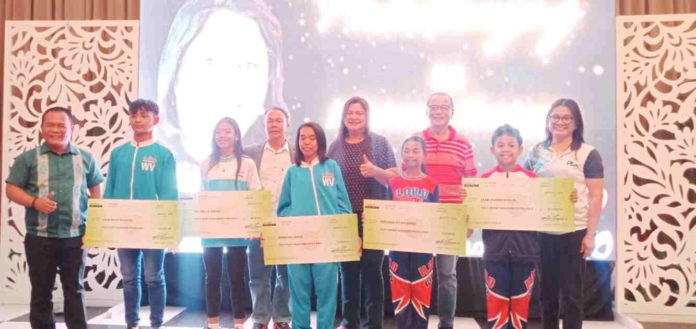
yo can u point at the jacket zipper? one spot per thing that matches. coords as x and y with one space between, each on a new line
314 189
135 156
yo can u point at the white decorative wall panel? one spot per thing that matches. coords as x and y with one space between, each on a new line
656 141
90 67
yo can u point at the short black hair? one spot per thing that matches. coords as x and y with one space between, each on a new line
507 130
321 142
144 105
421 143
58 109
277 108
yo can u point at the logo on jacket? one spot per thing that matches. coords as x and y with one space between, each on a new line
327 179
572 164
148 163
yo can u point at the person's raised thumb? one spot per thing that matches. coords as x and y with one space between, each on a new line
365 159
50 195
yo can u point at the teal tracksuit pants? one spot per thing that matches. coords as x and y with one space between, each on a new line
324 277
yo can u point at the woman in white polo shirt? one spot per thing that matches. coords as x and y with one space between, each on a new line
565 154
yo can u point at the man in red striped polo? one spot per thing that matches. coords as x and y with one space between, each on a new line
449 157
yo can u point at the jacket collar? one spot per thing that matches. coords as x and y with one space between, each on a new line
70 150
310 164
143 143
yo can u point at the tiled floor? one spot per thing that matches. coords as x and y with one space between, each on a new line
176 317
652 325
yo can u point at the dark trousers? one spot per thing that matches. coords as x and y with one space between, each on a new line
411 281
362 284
562 271
508 292
47 257
236 266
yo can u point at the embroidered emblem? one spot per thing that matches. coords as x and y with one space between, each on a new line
327 179
148 163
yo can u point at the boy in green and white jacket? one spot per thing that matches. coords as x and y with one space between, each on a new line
142 170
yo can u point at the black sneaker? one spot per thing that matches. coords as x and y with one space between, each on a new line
281 325
259 326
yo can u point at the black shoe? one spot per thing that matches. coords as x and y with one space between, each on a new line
281 325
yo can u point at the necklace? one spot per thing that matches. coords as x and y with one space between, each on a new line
223 167
227 157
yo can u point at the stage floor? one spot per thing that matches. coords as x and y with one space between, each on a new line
176 317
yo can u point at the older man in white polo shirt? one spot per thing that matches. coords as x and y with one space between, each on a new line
272 158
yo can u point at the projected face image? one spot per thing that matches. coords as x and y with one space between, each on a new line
221 78
218 58
500 62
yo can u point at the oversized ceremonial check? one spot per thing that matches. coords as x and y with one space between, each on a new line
310 239
226 214
145 224
438 228
538 204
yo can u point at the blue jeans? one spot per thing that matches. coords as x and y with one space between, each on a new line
132 261
364 278
446 289
260 284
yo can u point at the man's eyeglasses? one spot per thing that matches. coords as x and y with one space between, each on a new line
443 108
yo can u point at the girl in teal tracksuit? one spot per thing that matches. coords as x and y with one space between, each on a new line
313 186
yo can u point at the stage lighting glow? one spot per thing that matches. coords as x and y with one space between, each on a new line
189 244
598 69
474 249
605 198
604 245
393 118
448 77
500 21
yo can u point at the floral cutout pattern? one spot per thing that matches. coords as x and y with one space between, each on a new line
656 152
90 67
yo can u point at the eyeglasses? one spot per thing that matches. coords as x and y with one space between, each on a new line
442 108
557 119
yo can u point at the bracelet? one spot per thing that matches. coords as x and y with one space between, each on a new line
33 202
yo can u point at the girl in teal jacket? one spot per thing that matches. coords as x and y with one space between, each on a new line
313 186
